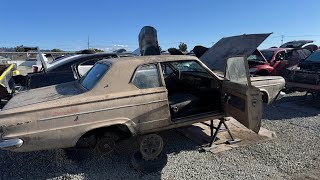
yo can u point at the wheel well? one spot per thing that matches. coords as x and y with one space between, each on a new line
265 97
263 72
121 130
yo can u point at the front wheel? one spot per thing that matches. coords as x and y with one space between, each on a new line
151 146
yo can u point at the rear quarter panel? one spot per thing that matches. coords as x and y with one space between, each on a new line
270 86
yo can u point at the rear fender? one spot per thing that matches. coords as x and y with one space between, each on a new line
112 122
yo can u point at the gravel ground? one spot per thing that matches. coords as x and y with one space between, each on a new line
293 155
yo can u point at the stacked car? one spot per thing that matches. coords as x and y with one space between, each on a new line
274 61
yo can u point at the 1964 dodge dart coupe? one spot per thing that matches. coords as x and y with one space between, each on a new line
129 96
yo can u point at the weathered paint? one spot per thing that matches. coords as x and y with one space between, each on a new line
59 119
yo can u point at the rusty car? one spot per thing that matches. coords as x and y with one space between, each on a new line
274 61
306 75
127 97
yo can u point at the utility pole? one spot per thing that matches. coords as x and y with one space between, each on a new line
88 42
282 36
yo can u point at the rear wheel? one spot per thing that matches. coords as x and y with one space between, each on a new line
106 144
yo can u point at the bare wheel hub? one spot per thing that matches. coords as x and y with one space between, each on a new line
105 146
151 146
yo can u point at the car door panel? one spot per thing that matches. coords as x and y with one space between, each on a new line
243 103
241 100
152 110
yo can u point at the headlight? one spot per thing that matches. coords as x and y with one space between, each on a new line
252 70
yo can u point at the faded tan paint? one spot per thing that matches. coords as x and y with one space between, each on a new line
270 86
59 123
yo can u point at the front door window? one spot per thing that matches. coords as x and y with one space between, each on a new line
236 70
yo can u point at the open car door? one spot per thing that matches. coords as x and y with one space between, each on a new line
241 100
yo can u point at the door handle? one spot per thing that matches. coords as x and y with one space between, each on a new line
226 97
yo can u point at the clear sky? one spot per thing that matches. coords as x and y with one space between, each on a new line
110 24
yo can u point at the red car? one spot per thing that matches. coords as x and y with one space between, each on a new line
274 61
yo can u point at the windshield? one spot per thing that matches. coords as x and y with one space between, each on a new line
89 80
188 66
254 57
60 61
314 57
268 55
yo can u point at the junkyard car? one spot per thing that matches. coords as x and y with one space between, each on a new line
6 80
61 71
305 76
131 96
274 61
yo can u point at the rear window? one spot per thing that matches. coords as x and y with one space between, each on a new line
89 80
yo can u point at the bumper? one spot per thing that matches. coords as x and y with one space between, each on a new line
9 144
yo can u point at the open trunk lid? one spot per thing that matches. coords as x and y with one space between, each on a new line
243 45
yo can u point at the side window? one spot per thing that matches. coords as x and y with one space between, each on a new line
280 56
146 76
166 70
63 68
236 70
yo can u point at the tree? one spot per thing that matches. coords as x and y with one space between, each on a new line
98 50
160 49
56 50
183 47
19 49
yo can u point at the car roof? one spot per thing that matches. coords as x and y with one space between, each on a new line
77 57
276 49
148 59
122 70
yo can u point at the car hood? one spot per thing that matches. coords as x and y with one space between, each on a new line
45 94
243 45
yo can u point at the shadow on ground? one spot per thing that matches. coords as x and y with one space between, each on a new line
56 164
292 107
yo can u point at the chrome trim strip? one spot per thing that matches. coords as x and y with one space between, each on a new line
71 126
267 85
99 110
154 121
